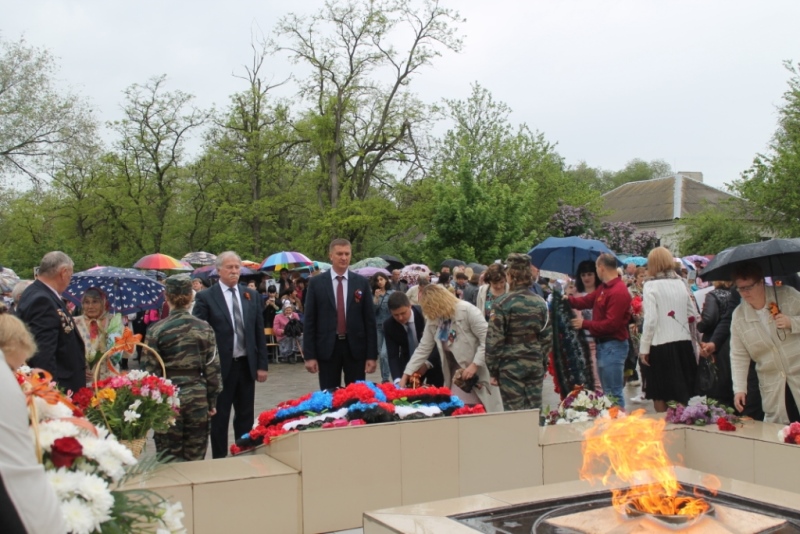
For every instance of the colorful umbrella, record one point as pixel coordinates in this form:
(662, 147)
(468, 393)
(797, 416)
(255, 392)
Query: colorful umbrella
(199, 258)
(693, 258)
(128, 290)
(370, 262)
(251, 264)
(370, 271)
(410, 273)
(285, 260)
(161, 262)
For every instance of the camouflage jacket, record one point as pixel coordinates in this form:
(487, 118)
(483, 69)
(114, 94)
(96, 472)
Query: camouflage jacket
(519, 329)
(187, 345)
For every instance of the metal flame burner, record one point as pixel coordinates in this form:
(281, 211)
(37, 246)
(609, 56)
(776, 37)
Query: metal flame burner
(594, 513)
(672, 522)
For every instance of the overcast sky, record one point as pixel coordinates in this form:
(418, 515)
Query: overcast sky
(695, 83)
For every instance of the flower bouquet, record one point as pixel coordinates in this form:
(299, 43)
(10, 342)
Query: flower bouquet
(86, 466)
(129, 405)
(582, 405)
(702, 411)
(790, 434)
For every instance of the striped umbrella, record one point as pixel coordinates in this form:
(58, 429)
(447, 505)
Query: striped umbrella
(285, 260)
(161, 262)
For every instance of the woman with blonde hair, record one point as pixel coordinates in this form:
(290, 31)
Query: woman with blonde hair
(666, 342)
(34, 507)
(458, 329)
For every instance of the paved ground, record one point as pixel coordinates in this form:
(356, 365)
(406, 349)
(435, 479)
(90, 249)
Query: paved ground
(289, 381)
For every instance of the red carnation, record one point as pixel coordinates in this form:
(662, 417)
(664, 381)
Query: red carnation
(65, 451)
(671, 313)
(691, 319)
(725, 425)
(83, 398)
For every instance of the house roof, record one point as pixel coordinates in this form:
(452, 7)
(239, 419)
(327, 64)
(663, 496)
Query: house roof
(660, 199)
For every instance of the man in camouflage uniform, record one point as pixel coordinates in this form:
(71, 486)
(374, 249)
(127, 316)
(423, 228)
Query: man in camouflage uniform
(187, 346)
(518, 339)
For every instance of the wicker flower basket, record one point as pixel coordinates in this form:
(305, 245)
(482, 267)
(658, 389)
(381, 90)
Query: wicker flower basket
(137, 445)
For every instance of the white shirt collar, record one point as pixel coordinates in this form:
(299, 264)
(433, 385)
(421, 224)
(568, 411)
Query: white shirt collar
(226, 286)
(334, 275)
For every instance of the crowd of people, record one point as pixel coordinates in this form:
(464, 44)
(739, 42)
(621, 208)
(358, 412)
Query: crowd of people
(486, 335)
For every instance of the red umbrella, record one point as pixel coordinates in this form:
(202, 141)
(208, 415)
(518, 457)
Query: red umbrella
(161, 262)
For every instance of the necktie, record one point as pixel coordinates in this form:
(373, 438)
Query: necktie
(341, 322)
(412, 339)
(238, 324)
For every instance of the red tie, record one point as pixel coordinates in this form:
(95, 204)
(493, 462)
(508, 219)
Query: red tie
(341, 322)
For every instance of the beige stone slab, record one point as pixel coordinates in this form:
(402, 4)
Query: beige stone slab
(747, 429)
(556, 434)
(286, 449)
(544, 493)
(349, 471)
(162, 477)
(460, 505)
(383, 523)
(561, 462)
(720, 454)
(265, 504)
(429, 460)
(499, 451)
(233, 468)
(777, 465)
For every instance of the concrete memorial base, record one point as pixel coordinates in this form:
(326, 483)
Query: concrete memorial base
(333, 479)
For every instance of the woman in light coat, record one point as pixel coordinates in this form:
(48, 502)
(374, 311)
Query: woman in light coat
(458, 329)
(766, 329)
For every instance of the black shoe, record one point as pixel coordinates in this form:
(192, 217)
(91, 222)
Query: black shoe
(283, 360)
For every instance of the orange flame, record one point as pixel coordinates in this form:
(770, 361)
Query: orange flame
(632, 449)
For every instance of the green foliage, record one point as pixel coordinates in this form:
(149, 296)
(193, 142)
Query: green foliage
(772, 184)
(716, 228)
(635, 170)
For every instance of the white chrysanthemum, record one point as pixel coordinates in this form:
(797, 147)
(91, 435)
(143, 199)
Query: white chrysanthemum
(49, 431)
(571, 414)
(562, 422)
(46, 410)
(172, 517)
(78, 517)
(63, 481)
(24, 369)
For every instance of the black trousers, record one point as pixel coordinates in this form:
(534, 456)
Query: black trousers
(330, 371)
(791, 406)
(239, 392)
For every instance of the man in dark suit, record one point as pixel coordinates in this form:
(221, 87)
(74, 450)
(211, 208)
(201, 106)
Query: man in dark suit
(60, 349)
(234, 312)
(402, 332)
(339, 331)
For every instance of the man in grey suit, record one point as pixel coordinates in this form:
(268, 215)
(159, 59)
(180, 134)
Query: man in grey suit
(235, 314)
(340, 333)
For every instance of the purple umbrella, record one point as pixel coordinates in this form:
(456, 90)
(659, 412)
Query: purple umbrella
(370, 271)
(410, 273)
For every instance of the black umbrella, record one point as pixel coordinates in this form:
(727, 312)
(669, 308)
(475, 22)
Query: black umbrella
(477, 267)
(776, 257)
(453, 263)
(393, 261)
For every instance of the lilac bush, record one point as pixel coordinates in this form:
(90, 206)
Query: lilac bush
(620, 237)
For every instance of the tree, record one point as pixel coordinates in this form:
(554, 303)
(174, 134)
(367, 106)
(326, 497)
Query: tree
(636, 170)
(365, 125)
(716, 228)
(621, 237)
(772, 183)
(36, 119)
(150, 151)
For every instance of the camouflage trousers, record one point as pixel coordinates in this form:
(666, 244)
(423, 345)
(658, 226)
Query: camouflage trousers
(187, 441)
(521, 384)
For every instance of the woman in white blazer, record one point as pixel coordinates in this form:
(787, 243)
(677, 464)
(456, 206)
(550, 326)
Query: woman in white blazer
(766, 329)
(458, 329)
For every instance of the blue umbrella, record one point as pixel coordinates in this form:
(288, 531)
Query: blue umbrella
(128, 290)
(636, 260)
(563, 254)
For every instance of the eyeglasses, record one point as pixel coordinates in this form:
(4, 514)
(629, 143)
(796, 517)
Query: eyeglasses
(747, 289)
